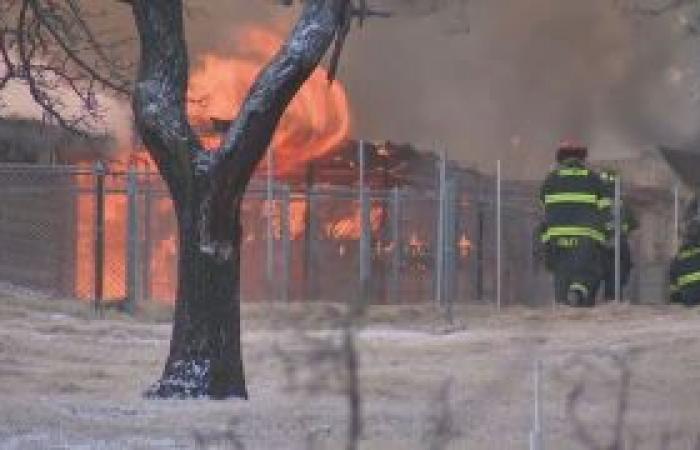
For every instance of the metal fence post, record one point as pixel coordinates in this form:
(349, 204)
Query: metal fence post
(397, 248)
(440, 244)
(311, 231)
(132, 251)
(536, 442)
(270, 239)
(286, 242)
(449, 248)
(479, 269)
(618, 236)
(99, 250)
(676, 216)
(146, 255)
(498, 235)
(365, 230)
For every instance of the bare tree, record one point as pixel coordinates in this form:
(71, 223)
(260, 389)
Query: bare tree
(44, 41)
(331, 361)
(583, 432)
(652, 7)
(611, 373)
(442, 429)
(51, 47)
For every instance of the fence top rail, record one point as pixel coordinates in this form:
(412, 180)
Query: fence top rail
(26, 167)
(67, 168)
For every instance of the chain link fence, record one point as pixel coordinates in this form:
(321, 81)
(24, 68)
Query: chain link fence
(99, 234)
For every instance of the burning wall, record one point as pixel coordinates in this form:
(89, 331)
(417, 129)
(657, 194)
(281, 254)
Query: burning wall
(317, 121)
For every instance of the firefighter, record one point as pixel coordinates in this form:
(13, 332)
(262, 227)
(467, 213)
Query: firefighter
(685, 268)
(628, 223)
(573, 226)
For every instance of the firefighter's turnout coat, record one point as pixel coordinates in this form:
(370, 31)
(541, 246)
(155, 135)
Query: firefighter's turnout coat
(685, 275)
(628, 220)
(573, 198)
(628, 223)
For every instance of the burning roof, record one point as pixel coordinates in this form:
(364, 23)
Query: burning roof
(387, 165)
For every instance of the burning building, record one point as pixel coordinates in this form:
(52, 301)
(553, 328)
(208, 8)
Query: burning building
(303, 218)
(314, 210)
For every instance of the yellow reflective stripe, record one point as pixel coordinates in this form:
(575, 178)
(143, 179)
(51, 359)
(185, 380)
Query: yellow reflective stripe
(573, 172)
(572, 231)
(611, 227)
(688, 253)
(605, 203)
(579, 287)
(608, 177)
(571, 197)
(687, 279)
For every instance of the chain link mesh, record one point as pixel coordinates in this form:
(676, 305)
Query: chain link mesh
(49, 235)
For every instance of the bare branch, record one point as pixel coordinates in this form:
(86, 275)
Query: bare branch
(344, 21)
(99, 48)
(442, 430)
(48, 46)
(74, 56)
(573, 400)
(250, 134)
(160, 91)
(657, 10)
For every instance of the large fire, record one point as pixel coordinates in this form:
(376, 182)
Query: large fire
(316, 121)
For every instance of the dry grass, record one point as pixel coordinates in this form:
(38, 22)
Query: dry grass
(69, 379)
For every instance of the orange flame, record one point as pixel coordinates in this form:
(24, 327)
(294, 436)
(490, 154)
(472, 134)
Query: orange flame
(465, 246)
(114, 272)
(297, 218)
(351, 227)
(316, 121)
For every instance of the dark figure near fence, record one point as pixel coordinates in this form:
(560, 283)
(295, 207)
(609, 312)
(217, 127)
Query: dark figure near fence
(685, 268)
(628, 223)
(572, 232)
(691, 212)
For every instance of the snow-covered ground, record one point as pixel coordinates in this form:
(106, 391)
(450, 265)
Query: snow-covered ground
(68, 380)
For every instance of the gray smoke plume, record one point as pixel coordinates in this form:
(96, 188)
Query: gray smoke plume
(487, 79)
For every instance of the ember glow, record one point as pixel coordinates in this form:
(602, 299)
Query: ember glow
(351, 227)
(114, 272)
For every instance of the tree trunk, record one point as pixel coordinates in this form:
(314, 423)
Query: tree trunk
(205, 350)
(207, 187)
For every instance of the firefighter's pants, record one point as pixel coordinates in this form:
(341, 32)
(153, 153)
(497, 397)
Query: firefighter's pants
(576, 265)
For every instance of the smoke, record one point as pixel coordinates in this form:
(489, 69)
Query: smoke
(528, 73)
(114, 117)
(488, 79)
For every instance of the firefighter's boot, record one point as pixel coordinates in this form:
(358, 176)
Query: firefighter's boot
(578, 296)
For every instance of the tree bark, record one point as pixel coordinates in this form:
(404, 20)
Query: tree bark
(205, 349)
(207, 187)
